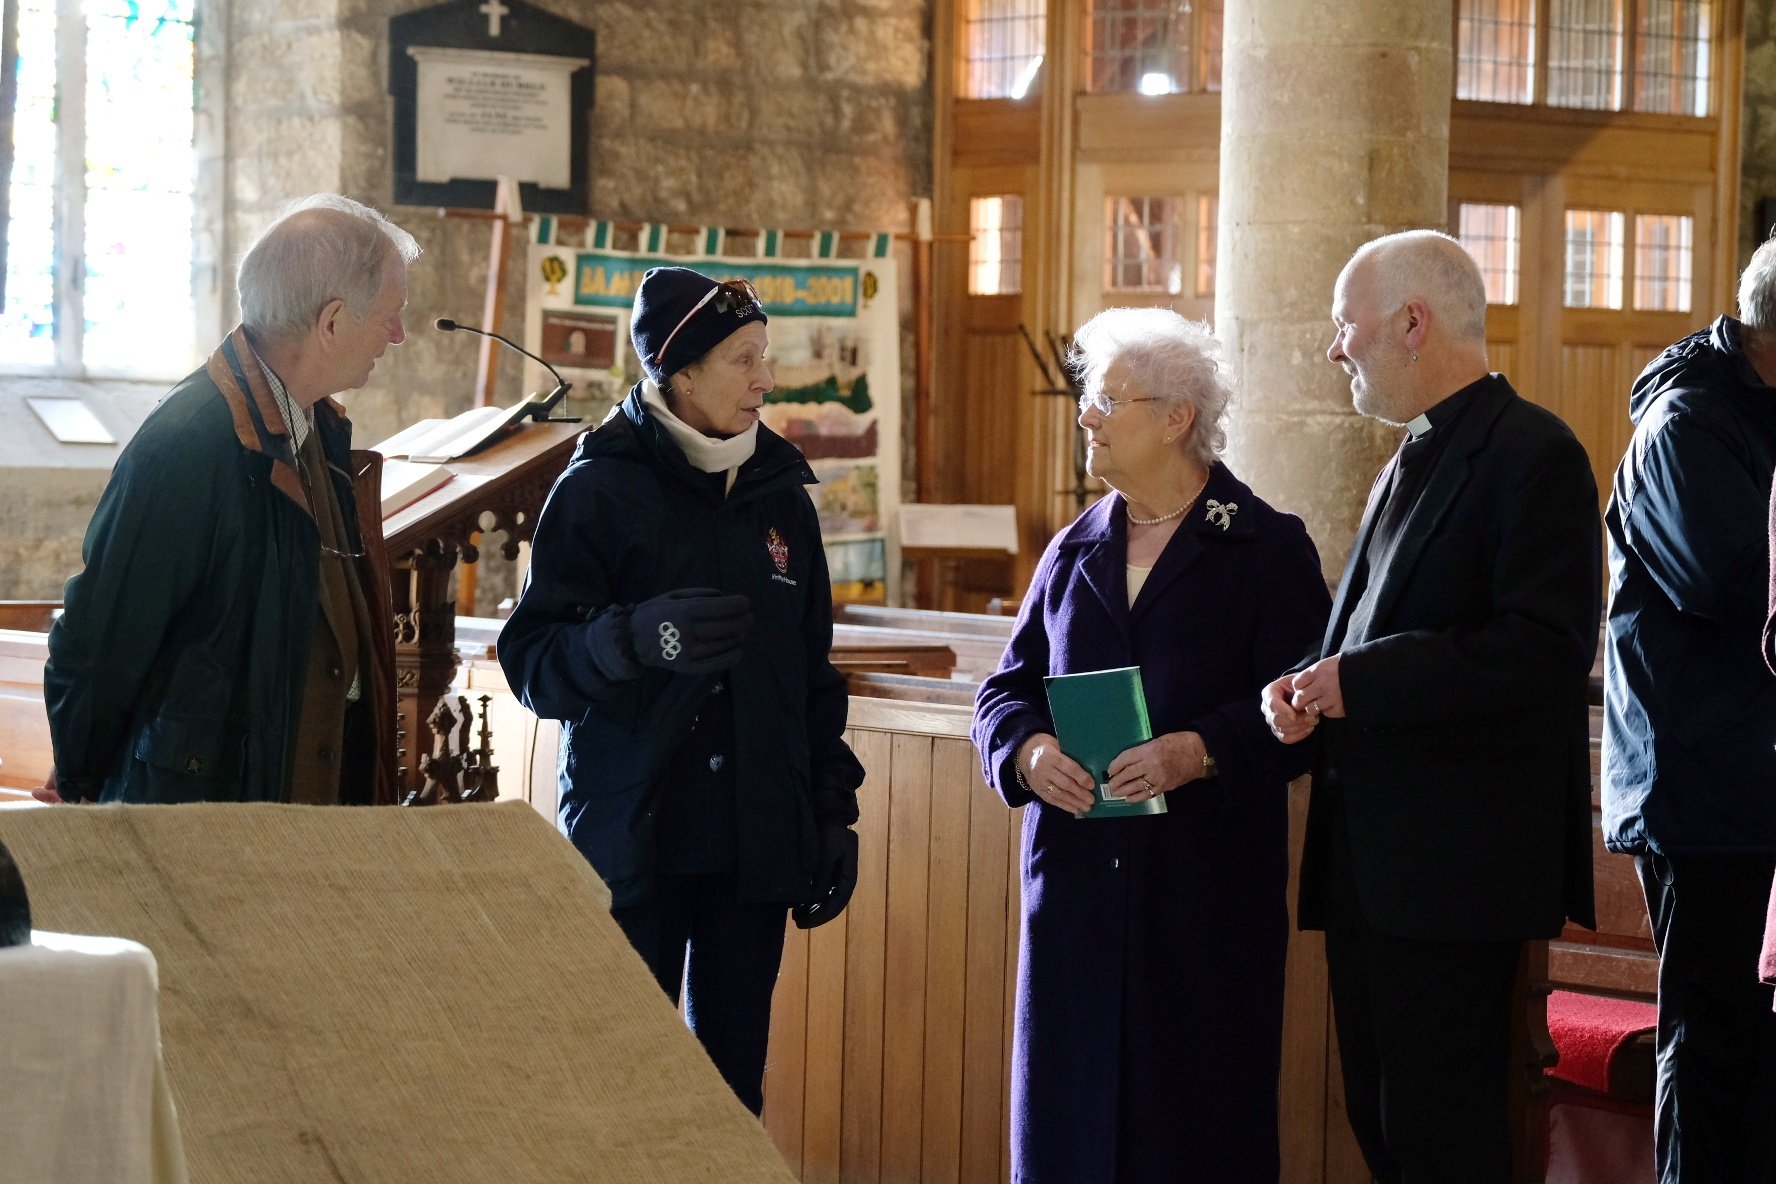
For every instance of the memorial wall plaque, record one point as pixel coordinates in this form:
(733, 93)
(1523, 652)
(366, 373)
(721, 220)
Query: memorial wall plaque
(490, 89)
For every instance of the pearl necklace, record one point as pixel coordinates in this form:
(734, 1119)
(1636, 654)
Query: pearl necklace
(1175, 513)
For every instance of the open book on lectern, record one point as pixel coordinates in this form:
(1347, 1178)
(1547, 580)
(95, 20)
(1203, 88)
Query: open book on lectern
(432, 441)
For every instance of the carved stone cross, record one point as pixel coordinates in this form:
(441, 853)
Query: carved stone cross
(494, 10)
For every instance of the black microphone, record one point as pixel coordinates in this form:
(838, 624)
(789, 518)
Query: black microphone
(539, 409)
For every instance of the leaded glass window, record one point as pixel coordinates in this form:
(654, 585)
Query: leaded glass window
(1003, 47)
(1662, 261)
(1495, 59)
(1594, 251)
(996, 245)
(1142, 252)
(1585, 54)
(1671, 56)
(99, 259)
(1155, 47)
(1489, 232)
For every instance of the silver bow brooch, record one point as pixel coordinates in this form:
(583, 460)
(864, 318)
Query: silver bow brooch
(1221, 513)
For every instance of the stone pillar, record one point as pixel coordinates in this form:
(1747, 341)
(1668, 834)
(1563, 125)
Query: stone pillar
(1334, 130)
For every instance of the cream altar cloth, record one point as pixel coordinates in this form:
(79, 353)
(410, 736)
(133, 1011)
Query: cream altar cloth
(80, 1055)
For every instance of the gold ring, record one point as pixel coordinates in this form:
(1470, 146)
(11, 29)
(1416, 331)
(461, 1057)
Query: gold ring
(1148, 784)
(1314, 707)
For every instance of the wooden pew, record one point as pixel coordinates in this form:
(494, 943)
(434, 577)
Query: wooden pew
(25, 755)
(30, 616)
(978, 642)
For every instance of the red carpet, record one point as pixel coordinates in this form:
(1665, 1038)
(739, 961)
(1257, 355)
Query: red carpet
(1589, 1031)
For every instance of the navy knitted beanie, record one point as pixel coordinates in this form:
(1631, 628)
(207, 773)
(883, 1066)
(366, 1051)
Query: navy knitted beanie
(663, 299)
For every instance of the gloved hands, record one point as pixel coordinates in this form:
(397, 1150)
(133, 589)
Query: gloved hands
(835, 877)
(690, 630)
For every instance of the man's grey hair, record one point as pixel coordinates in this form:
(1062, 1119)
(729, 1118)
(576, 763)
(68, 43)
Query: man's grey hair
(1757, 289)
(321, 248)
(1431, 266)
(1174, 360)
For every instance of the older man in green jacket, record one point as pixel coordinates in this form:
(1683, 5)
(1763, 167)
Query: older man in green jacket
(230, 638)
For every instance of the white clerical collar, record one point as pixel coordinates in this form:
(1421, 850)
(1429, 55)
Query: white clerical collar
(1419, 426)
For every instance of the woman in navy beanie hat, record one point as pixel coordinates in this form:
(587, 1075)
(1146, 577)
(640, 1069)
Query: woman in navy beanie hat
(677, 618)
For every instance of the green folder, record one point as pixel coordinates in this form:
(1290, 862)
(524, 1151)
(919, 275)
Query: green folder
(1097, 717)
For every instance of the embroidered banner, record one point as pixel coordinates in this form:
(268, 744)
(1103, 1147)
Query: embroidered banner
(834, 354)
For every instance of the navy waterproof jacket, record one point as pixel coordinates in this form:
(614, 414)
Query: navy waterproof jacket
(629, 520)
(1689, 741)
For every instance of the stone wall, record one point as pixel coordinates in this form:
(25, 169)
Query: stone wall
(790, 113)
(1757, 134)
(810, 114)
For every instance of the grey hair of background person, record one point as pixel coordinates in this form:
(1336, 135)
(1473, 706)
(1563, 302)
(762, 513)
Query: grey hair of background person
(306, 258)
(1757, 289)
(1431, 266)
(1172, 359)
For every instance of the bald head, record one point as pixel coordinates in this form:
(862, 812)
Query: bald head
(320, 249)
(1430, 267)
(1410, 314)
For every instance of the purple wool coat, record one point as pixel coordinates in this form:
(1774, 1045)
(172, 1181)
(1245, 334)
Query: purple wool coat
(1148, 1034)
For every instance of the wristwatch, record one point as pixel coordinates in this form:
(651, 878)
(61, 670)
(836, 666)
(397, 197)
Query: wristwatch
(1209, 768)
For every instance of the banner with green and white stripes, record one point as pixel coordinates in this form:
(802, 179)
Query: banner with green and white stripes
(834, 350)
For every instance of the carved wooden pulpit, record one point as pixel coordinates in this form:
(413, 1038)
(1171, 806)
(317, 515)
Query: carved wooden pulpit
(507, 480)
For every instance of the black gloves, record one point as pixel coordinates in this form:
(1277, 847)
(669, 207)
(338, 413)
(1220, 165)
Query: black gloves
(686, 631)
(690, 630)
(835, 876)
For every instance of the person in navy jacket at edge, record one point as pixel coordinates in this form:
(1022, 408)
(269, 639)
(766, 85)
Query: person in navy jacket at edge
(1148, 1030)
(1689, 772)
(677, 618)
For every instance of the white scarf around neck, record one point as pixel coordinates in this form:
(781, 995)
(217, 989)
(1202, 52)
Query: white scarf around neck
(707, 454)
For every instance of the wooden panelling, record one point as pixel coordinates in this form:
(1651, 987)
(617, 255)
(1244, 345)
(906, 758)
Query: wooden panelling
(991, 374)
(1307, 1020)
(1503, 138)
(996, 132)
(903, 1016)
(1592, 397)
(1132, 127)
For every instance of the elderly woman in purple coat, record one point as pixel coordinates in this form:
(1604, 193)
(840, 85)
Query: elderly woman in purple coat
(1150, 979)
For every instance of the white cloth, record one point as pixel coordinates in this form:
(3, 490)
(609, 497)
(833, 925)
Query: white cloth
(707, 454)
(80, 1046)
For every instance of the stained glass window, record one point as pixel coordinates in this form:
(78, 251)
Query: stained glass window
(107, 248)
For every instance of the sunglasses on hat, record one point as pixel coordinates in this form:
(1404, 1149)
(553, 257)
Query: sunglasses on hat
(732, 296)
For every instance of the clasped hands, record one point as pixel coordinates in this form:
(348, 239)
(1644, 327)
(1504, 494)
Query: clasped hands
(1137, 774)
(1295, 703)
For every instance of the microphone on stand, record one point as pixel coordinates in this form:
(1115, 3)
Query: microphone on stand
(537, 409)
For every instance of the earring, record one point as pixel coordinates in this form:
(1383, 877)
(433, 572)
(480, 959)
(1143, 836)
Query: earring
(1168, 439)
(1415, 355)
